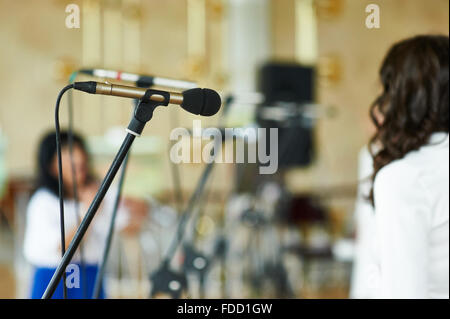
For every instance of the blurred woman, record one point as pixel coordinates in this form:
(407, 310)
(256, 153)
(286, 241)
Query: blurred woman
(42, 243)
(410, 151)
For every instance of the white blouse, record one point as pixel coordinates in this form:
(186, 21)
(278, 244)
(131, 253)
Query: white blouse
(412, 224)
(43, 236)
(364, 217)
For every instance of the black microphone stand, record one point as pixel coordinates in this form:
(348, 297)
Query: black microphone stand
(161, 286)
(187, 212)
(109, 237)
(142, 114)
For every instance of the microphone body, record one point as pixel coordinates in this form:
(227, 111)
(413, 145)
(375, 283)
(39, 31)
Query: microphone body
(135, 93)
(199, 101)
(139, 80)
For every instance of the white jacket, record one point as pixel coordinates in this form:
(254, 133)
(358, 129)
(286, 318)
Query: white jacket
(364, 262)
(42, 233)
(411, 249)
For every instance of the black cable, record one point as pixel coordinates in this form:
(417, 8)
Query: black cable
(74, 183)
(60, 180)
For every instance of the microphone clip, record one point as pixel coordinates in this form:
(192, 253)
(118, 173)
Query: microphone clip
(144, 110)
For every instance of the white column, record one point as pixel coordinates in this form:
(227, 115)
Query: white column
(248, 41)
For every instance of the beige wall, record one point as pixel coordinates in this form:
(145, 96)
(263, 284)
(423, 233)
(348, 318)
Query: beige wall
(33, 37)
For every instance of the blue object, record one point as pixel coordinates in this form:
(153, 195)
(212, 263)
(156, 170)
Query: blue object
(42, 277)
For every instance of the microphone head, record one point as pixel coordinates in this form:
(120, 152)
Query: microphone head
(203, 102)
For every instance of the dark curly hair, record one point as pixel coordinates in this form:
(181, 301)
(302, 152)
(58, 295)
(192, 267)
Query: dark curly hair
(414, 103)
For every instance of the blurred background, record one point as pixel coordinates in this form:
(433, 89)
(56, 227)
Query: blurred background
(287, 235)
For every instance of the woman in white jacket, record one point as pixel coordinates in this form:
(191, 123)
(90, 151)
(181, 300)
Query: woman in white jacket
(410, 151)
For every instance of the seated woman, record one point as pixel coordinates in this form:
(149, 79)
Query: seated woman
(410, 190)
(42, 243)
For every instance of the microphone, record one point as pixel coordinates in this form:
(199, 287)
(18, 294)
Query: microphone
(198, 101)
(139, 80)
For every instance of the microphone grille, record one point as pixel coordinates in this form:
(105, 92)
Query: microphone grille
(205, 102)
